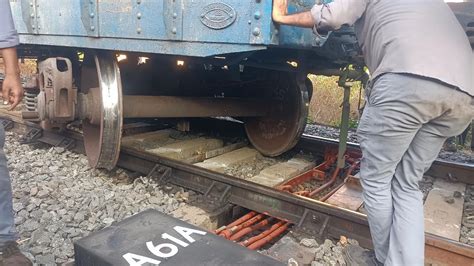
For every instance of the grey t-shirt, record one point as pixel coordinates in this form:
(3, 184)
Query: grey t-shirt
(420, 37)
(8, 33)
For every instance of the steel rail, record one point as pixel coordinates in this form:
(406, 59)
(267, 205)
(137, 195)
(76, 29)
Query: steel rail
(454, 171)
(314, 217)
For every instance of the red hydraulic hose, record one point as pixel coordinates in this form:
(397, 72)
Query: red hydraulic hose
(260, 243)
(237, 222)
(262, 235)
(227, 233)
(250, 229)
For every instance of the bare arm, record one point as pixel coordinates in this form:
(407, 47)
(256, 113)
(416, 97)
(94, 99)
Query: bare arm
(10, 60)
(304, 20)
(328, 17)
(12, 91)
(280, 15)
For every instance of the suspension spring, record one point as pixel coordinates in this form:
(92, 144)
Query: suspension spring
(31, 100)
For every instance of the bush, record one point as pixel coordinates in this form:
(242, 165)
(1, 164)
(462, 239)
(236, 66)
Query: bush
(325, 107)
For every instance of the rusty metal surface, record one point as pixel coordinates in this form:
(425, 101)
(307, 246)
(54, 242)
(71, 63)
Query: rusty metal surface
(280, 129)
(349, 196)
(170, 106)
(56, 100)
(442, 251)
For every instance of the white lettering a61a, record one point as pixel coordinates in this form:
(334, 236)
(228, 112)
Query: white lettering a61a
(164, 250)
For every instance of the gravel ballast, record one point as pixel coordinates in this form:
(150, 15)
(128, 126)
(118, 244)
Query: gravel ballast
(58, 198)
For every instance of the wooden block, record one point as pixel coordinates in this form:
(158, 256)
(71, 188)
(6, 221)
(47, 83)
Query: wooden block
(143, 140)
(443, 218)
(220, 163)
(217, 152)
(349, 196)
(184, 149)
(278, 173)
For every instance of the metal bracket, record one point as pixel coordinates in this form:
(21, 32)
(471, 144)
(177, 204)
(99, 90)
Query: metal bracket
(224, 195)
(31, 136)
(7, 124)
(66, 143)
(30, 15)
(160, 172)
(173, 17)
(314, 223)
(256, 23)
(90, 17)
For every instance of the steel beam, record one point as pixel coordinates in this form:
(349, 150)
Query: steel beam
(170, 106)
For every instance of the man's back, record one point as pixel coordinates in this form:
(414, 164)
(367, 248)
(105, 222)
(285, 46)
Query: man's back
(421, 37)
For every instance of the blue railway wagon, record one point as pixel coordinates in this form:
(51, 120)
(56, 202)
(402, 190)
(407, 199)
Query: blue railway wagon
(184, 59)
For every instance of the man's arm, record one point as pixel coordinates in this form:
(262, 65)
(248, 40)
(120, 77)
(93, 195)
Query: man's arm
(12, 91)
(326, 17)
(280, 15)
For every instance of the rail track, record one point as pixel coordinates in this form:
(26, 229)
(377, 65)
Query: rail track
(309, 215)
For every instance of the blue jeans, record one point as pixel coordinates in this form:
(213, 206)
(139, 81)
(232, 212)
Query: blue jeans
(7, 224)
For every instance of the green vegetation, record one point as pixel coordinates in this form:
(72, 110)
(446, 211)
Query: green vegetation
(325, 107)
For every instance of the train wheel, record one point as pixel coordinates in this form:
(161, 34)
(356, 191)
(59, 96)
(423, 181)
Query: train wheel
(100, 77)
(281, 128)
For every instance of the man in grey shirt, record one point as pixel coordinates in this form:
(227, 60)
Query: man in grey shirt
(420, 94)
(12, 93)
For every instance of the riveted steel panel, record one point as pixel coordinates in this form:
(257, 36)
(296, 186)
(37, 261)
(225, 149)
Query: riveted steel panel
(179, 27)
(261, 22)
(141, 19)
(90, 17)
(222, 21)
(64, 18)
(24, 14)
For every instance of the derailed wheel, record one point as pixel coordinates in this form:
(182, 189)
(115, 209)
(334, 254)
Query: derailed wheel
(100, 77)
(281, 128)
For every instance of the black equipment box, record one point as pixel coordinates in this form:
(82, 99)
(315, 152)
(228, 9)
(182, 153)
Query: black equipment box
(152, 238)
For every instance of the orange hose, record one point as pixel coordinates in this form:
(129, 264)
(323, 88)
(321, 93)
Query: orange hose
(262, 235)
(227, 233)
(285, 188)
(303, 193)
(236, 222)
(247, 230)
(260, 243)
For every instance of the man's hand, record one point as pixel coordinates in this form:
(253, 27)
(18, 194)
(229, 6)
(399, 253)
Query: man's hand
(280, 15)
(12, 91)
(280, 9)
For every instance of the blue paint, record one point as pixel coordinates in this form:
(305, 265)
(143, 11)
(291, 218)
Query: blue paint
(179, 27)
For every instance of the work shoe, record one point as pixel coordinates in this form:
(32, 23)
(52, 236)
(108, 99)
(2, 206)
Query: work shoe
(358, 256)
(11, 255)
